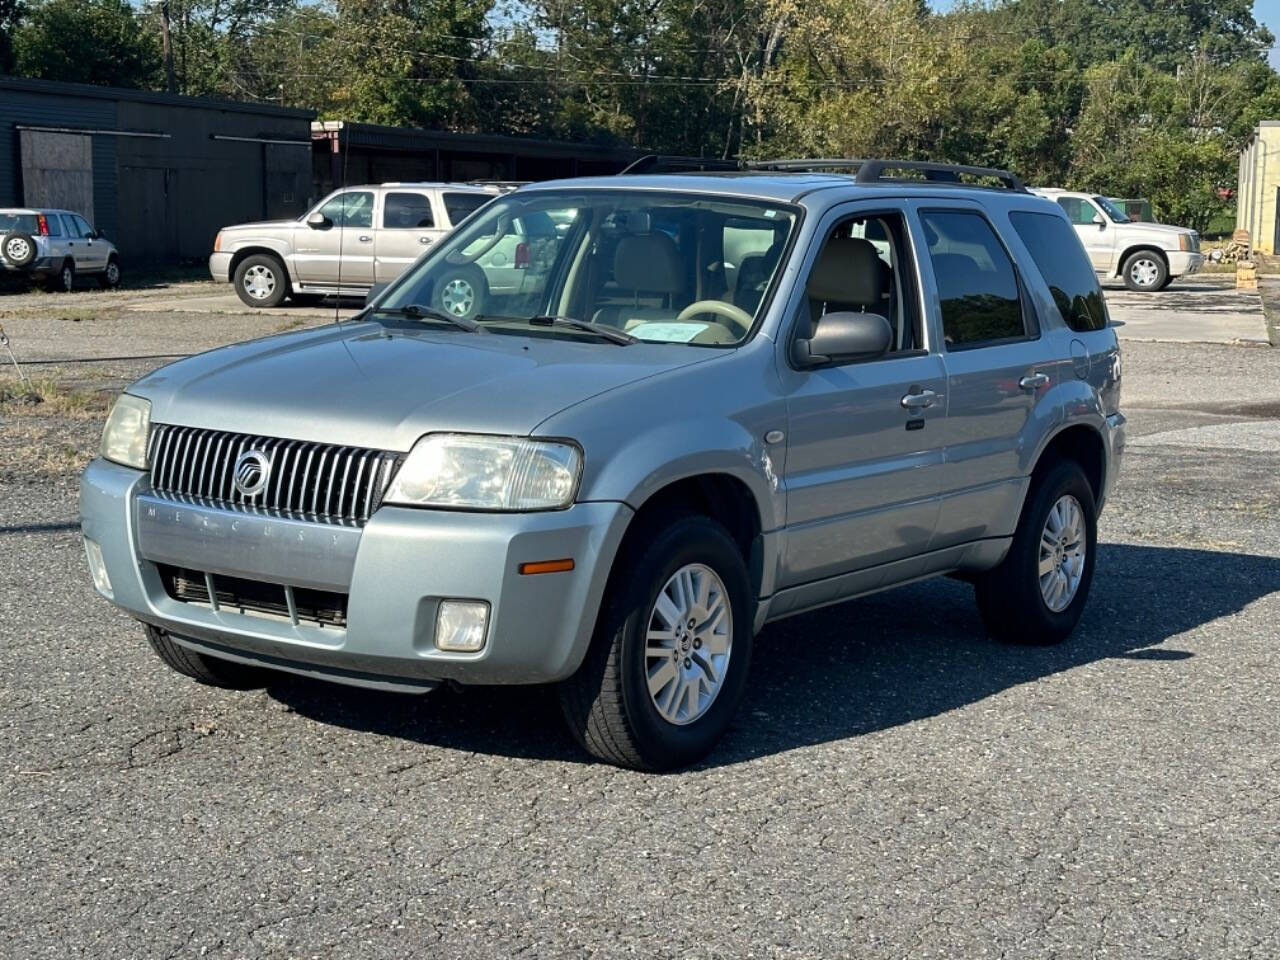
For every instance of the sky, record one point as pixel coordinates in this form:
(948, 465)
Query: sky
(1264, 11)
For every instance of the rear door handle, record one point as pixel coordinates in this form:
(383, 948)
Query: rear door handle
(364, 238)
(918, 401)
(1033, 381)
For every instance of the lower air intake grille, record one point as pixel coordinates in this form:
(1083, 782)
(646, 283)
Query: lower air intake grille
(271, 600)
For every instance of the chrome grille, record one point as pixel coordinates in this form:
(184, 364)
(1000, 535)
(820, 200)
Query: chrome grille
(310, 481)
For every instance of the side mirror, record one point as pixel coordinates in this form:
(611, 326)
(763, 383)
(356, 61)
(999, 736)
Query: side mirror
(843, 337)
(374, 293)
(1101, 223)
(318, 221)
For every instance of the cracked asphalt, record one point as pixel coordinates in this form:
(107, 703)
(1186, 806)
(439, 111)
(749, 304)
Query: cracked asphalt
(896, 784)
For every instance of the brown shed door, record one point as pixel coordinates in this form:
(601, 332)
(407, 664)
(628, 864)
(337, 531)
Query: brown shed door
(57, 171)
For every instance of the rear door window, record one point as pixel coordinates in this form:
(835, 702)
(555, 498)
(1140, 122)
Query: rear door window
(406, 211)
(1057, 253)
(459, 206)
(977, 285)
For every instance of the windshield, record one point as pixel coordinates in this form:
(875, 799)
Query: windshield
(1114, 210)
(18, 223)
(663, 268)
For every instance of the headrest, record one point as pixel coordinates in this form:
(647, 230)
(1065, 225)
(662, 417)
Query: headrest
(648, 262)
(847, 271)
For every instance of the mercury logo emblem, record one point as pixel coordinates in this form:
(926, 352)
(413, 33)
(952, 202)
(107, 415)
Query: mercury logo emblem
(251, 472)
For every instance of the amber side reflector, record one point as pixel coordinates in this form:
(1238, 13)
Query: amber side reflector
(547, 566)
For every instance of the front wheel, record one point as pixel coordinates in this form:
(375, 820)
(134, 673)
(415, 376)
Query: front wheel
(1145, 272)
(109, 279)
(668, 664)
(261, 281)
(210, 671)
(1038, 592)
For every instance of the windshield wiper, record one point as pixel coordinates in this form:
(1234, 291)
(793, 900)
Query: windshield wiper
(415, 311)
(612, 334)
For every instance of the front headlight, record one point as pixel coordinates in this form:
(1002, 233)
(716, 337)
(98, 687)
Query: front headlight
(124, 438)
(476, 472)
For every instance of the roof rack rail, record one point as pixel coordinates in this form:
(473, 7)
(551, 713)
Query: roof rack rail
(660, 163)
(873, 171)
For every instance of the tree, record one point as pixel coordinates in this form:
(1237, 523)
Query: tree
(87, 41)
(10, 15)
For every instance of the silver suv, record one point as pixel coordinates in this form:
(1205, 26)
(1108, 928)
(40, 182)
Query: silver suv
(352, 240)
(721, 400)
(53, 247)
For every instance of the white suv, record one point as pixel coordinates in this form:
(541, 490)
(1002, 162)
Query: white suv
(352, 240)
(1146, 255)
(54, 246)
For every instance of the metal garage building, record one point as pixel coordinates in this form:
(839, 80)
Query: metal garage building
(157, 173)
(347, 153)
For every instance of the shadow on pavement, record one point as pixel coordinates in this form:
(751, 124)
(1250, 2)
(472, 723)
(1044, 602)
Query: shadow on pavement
(851, 669)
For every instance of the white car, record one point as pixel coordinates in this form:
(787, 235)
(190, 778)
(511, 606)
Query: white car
(54, 247)
(1145, 255)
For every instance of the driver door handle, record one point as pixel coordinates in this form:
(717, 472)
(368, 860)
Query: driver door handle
(1033, 381)
(364, 238)
(424, 239)
(918, 401)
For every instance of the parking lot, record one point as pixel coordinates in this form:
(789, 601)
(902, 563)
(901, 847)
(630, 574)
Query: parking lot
(896, 784)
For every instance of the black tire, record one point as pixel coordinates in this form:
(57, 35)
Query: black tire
(18, 249)
(607, 702)
(266, 274)
(210, 671)
(109, 278)
(306, 299)
(64, 281)
(1012, 604)
(450, 294)
(1145, 263)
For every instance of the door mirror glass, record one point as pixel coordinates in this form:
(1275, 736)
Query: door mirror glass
(318, 221)
(843, 337)
(374, 293)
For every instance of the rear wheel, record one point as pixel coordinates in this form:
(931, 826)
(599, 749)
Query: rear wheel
(1037, 594)
(261, 281)
(207, 670)
(668, 664)
(64, 281)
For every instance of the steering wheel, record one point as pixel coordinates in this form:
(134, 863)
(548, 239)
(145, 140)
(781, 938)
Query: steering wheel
(720, 308)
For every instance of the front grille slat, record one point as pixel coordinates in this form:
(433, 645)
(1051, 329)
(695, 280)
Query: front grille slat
(323, 482)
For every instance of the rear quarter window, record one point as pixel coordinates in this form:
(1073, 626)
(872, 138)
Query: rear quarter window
(18, 223)
(1058, 255)
(459, 206)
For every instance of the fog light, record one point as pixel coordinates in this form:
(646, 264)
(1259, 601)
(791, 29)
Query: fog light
(97, 568)
(461, 625)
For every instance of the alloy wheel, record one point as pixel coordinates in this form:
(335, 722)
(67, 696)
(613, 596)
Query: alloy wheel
(458, 297)
(1145, 272)
(688, 639)
(259, 282)
(1062, 553)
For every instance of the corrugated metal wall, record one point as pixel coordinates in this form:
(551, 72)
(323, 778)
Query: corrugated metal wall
(19, 108)
(162, 199)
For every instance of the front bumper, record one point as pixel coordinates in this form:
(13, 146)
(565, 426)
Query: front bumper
(1183, 263)
(220, 266)
(395, 571)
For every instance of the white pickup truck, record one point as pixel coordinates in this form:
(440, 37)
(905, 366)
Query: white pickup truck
(1146, 255)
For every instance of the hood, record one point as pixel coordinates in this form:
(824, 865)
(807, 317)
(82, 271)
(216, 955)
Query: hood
(261, 225)
(363, 385)
(1162, 230)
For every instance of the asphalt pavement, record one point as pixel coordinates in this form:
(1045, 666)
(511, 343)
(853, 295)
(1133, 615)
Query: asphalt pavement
(896, 784)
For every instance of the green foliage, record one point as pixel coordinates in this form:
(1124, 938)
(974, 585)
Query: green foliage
(1126, 97)
(88, 41)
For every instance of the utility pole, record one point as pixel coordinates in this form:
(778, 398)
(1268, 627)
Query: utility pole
(166, 46)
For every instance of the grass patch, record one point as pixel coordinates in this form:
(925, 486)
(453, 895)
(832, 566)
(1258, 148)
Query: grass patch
(48, 398)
